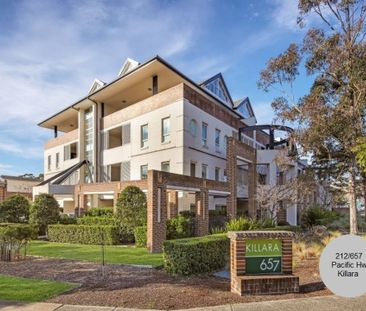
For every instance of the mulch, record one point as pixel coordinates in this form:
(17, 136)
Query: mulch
(134, 287)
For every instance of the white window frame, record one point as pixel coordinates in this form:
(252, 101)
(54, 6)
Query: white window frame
(144, 142)
(165, 137)
(204, 133)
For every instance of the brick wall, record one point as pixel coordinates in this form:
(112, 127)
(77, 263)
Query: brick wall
(243, 284)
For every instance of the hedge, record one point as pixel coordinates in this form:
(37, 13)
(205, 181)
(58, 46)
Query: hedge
(196, 255)
(96, 220)
(140, 236)
(100, 211)
(83, 234)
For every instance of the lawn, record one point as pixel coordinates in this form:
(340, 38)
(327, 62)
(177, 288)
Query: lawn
(113, 254)
(30, 290)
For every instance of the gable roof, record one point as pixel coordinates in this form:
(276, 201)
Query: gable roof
(219, 77)
(96, 85)
(127, 66)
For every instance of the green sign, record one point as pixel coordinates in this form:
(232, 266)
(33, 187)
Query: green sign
(263, 256)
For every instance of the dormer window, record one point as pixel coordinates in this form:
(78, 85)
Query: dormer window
(217, 88)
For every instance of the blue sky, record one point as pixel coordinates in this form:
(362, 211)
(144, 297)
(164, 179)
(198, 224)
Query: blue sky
(51, 51)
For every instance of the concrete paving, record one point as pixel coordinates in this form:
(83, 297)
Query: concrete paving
(328, 303)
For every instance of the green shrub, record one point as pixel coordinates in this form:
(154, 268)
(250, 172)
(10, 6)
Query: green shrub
(44, 211)
(83, 234)
(131, 209)
(100, 211)
(317, 215)
(217, 230)
(179, 227)
(15, 209)
(241, 224)
(266, 223)
(66, 220)
(188, 214)
(140, 236)
(213, 213)
(196, 255)
(12, 238)
(96, 220)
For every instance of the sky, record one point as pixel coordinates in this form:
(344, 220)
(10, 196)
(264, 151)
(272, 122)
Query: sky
(51, 52)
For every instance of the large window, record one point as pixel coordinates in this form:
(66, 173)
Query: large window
(217, 138)
(165, 130)
(71, 151)
(193, 127)
(144, 136)
(204, 134)
(117, 136)
(49, 163)
(143, 170)
(204, 171)
(165, 166)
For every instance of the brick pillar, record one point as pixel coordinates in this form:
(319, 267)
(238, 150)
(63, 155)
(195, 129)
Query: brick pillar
(156, 213)
(172, 203)
(202, 212)
(287, 256)
(231, 172)
(237, 263)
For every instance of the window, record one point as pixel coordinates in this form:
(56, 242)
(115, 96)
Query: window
(71, 151)
(165, 130)
(143, 170)
(193, 169)
(204, 134)
(115, 170)
(225, 142)
(242, 176)
(165, 166)
(57, 160)
(217, 138)
(217, 173)
(262, 178)
(144, 135)
(49, 162)
(204, 171)
(193, 127)
(126, 171)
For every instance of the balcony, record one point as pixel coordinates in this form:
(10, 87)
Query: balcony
(62, 140)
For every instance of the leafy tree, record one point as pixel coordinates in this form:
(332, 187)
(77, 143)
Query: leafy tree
(44, 211)
(331, 117)
(15, 209)
(131, 208)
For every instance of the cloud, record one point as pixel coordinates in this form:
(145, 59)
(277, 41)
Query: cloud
(53, 51)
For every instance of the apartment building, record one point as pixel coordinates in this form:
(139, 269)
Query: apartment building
(23, 184)
(154, 118)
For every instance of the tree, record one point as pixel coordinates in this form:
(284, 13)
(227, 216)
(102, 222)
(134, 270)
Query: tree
(331, 117)
(15, 209)
(131, 208)
(44, 211)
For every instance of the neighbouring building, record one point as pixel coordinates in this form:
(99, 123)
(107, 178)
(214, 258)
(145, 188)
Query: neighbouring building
(10, 185)
(188, 145)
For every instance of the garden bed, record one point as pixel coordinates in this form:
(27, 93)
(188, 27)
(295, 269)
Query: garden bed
(134, 287)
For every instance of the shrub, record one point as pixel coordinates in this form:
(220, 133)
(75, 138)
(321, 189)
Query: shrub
(140, 236)
(83, 234)
(44, 211)
(317, 215)
(213, 213)
(196, 255)
(12, 238)
(66, 220)
(15, 209)
(100, 211)
(179, 227)
(99, 220)
(241, 224)
(131, 209)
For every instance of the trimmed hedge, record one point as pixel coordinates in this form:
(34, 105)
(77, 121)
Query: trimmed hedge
(83, 234)
(196, 255)
(140, 236)
(100, 211)
(96, 220)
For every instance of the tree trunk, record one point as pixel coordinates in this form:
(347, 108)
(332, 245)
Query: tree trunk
(352, 203)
